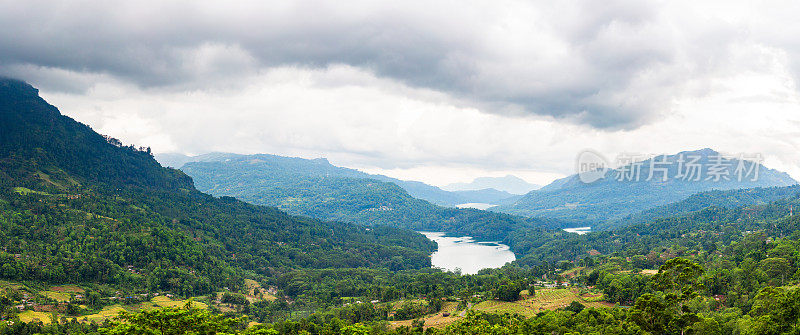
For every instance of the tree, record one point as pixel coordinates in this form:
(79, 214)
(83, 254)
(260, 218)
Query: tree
(666, 311)
(776, 267)
(575, 307)
(650, 313)
(508, 291)
(176, 321)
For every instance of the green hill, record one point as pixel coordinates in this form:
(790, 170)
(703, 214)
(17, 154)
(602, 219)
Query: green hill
(715, 198)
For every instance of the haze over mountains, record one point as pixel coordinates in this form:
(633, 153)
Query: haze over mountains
(633, 188)
(511, 184)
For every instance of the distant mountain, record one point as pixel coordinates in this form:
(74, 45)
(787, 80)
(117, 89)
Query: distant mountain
(488, 196)
(416, 189)
(177, 160)
(172, 160)
(509, 183)
(315, 188)
(446, 198)
(633, 188)
(80, 207)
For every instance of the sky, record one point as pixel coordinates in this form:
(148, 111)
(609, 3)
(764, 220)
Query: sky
(437, 91)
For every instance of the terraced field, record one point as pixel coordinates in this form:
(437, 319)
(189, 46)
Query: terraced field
(254, 291)
(436, 320)
(62, 293)
(545, 299)
(30, 316)
(111, 311)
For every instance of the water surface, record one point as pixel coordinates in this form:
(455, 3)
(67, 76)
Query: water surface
(476, 205)
(579, 230)
(463, 252)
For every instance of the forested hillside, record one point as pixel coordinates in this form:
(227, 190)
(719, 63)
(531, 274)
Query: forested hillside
(80, 207)
(716, 198)
(317, 189)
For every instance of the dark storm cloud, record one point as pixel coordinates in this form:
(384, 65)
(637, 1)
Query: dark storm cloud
(606, 64)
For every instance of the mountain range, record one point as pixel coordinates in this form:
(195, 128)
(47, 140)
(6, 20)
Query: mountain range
(509, 183)
(417, 189)
(643, 185)
(314, 187)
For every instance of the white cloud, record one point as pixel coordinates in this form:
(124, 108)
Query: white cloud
(359, 120)
(438, 91)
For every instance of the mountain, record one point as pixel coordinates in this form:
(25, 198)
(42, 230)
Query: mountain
(79, 207)
(446, 198)
(509, 183)
(488, 196)
(633, 188)
(416, 189)
(173, 160)
(318, 189)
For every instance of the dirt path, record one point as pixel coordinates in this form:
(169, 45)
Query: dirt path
(464, 312)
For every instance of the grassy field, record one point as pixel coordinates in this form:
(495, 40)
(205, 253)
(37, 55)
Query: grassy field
(9, 285)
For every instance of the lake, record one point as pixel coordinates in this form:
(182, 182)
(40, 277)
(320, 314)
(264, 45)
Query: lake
(467, 254)
(476, 205)
(579, 230)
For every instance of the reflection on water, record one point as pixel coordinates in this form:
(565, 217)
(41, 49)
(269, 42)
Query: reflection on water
(466, 254)
(579, 230)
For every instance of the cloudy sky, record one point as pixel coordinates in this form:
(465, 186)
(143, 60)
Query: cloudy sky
(436, 91)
